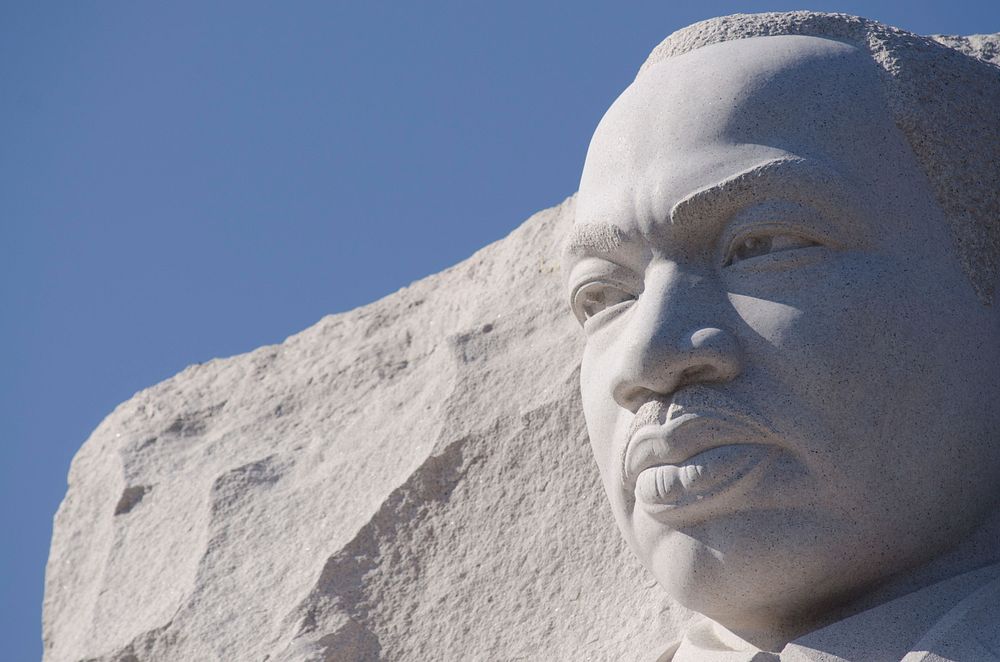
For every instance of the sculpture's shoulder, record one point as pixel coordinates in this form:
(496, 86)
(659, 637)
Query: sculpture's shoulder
(968, 631)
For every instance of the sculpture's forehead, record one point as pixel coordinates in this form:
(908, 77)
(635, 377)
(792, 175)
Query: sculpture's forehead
(697, 118)
(756, 84)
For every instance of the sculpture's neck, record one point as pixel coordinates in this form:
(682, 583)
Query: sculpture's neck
(978, 550)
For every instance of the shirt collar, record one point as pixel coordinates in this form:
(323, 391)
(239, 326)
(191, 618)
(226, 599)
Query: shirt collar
(885, 632)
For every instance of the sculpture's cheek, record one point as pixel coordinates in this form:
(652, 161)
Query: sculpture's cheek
(874, 372)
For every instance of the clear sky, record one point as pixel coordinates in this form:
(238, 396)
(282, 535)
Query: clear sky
(188, 180)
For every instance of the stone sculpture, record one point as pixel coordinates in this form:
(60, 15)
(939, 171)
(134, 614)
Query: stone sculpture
(410, 480)
(785, 262)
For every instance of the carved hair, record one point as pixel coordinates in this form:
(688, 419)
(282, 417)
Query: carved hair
(946, 103)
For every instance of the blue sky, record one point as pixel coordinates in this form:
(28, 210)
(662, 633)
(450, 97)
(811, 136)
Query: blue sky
(187, 180)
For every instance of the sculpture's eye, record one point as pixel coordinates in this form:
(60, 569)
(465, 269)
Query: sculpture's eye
(757, 245)
(596, 297)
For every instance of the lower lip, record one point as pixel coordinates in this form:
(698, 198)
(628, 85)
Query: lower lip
(706, 474)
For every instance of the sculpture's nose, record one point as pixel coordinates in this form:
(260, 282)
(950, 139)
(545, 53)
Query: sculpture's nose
(676, 336)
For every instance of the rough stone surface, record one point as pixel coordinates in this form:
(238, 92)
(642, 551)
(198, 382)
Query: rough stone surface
(410, 480)
(984, 46)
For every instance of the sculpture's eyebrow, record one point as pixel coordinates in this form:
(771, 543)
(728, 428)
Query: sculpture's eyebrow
(596, 239)
(791, 178)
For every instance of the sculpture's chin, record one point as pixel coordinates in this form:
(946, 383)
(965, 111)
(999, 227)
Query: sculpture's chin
(757, 571)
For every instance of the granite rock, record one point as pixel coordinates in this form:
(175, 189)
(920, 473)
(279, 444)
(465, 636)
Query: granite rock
(410, 480)
(785, 259)
(407, 480)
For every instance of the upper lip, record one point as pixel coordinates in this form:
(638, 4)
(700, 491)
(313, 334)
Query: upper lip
(661, 432)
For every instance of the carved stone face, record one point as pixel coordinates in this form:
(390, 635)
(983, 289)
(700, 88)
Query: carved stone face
(788, 381)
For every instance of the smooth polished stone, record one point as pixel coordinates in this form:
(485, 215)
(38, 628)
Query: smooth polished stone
(785, 265)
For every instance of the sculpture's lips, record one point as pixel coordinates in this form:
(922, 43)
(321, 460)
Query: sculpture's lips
(696, 445)
(697, 478)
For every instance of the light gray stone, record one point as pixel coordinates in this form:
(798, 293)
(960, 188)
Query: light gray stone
(785, 264)
(410, 480)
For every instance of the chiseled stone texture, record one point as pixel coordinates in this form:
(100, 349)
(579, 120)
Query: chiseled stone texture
(984, 46)
(410, 480)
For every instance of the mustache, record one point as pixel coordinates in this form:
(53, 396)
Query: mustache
(654, 412)
(690, 398)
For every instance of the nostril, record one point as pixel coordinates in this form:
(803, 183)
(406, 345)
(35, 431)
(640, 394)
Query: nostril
(698, 373)
(632, 397)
